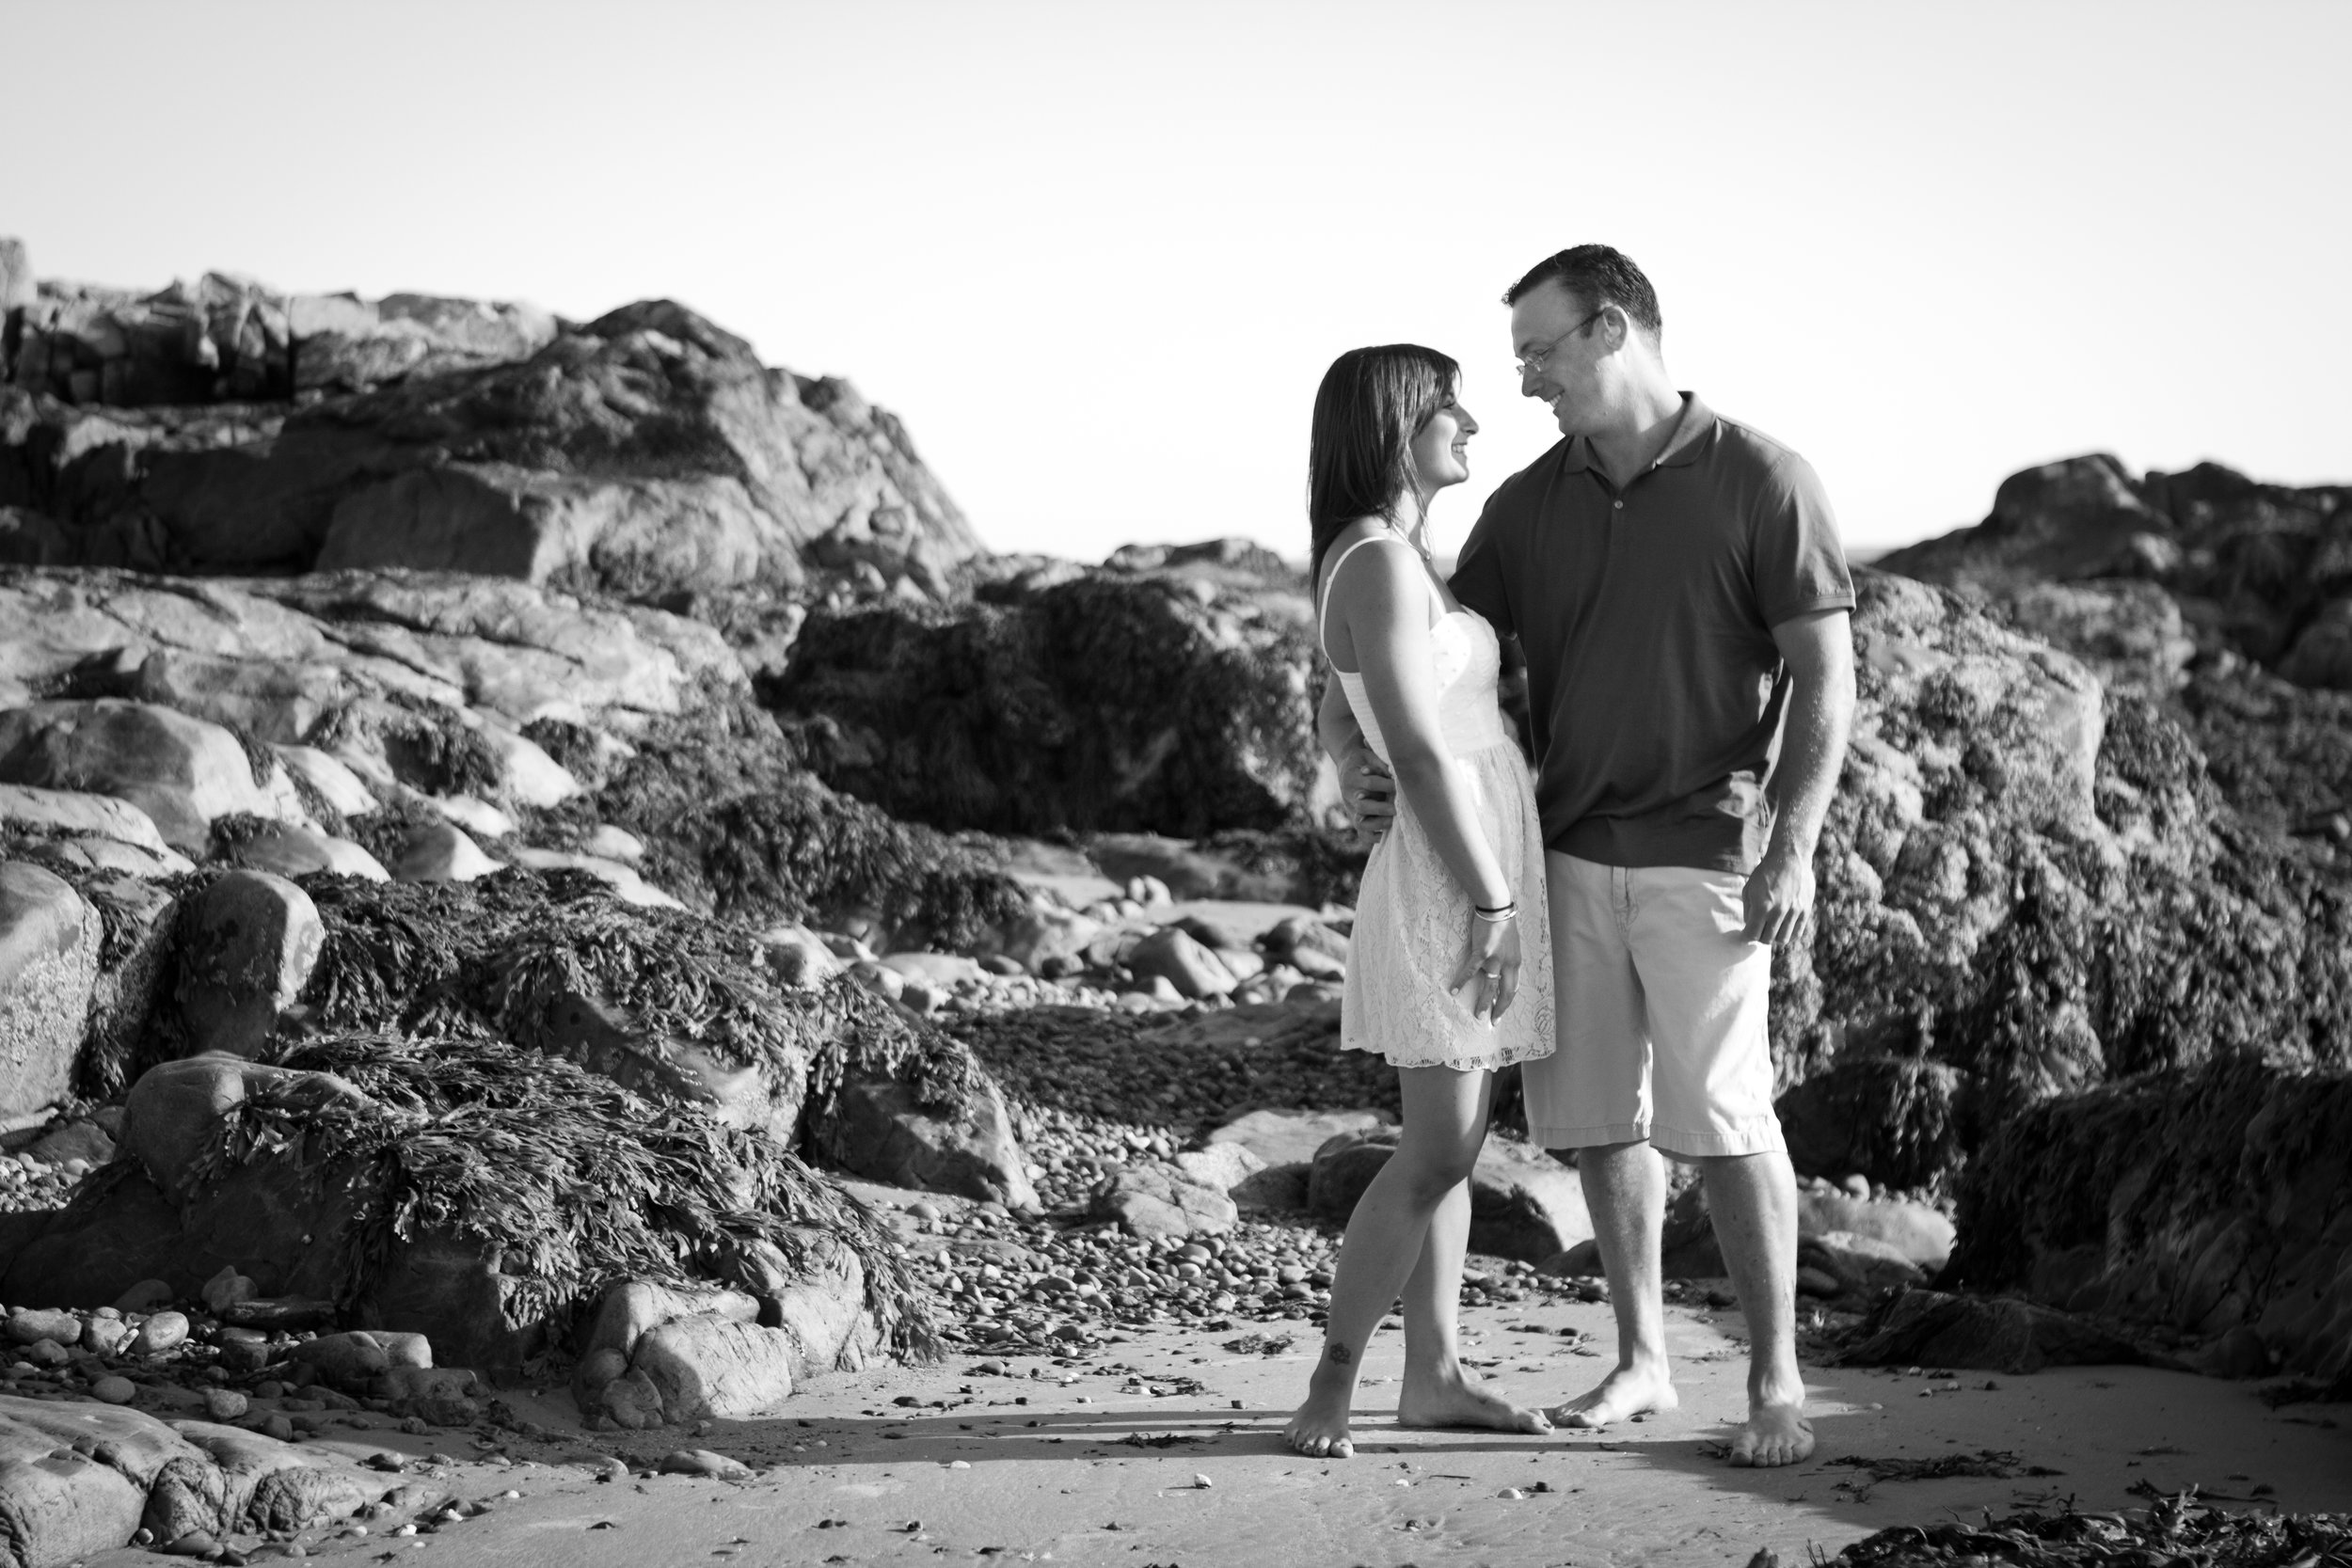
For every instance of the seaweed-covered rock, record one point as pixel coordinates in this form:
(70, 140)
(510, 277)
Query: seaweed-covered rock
(1920, 1327)
(2133, 575)
(674, 1006)
(2029, 888)
(1110, 701)
(731, 822)
(2205, 1203)
(475, 1193)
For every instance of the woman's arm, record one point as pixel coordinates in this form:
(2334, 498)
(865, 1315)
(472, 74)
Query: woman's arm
(1384, 604)
(1365, 789)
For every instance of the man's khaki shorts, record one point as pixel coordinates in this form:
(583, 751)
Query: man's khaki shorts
(1662, 1005)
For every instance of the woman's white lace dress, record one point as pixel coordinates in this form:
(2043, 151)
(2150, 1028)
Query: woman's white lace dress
(1412, 917)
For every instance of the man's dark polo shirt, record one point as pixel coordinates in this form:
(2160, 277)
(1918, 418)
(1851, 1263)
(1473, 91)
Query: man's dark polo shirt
(1646, 615)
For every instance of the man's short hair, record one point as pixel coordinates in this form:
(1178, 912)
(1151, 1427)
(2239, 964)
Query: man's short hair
(1599, 275)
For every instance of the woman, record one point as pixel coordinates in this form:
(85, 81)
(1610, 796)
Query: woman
(1449, 976)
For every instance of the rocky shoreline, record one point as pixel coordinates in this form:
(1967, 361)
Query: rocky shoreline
(552, 846)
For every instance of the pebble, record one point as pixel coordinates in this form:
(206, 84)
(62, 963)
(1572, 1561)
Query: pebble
(114, 1391)
(702, 1462)
(224, 1404)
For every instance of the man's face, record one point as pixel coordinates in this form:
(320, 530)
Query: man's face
(1559, 341)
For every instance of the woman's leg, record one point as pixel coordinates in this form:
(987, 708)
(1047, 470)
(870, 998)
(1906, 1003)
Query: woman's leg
(1437, 1391)
(1445, 1122)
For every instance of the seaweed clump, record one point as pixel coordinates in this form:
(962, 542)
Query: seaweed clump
(2179, 1530)
(483, 960)
(732, 821)
(577, 1182)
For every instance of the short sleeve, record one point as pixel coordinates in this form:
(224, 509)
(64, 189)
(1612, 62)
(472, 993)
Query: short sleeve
(1479, 576)
(1797, 564)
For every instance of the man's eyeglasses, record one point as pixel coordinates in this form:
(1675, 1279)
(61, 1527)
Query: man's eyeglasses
(1532, 364)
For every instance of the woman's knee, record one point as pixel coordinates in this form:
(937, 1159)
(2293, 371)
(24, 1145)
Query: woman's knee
(1428, 1175)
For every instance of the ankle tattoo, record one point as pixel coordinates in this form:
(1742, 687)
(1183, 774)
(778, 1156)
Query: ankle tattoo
(1340, 1355)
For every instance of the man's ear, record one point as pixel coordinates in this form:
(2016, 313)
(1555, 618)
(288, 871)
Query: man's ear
(1616, 328)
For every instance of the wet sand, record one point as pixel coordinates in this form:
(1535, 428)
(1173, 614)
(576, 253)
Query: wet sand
(993, 1480)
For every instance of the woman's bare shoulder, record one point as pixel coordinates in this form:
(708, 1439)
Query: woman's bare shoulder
(1348, 571)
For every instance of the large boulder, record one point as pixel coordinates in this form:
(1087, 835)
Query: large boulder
(2027, 886)
(48, 949)
(81, 1479)
(1110, 701)
(2134, 576)
(350, 661)
(183, 774)
(643, 452)
(1524, 1203)
(246, 946)
(886, 1129)
(1156, 1201)
(2210, 1203)
(35, 813)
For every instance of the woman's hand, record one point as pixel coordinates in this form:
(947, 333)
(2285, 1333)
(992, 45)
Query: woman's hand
(1491, 967)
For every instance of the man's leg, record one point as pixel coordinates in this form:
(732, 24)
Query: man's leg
(1754, 1200)
(1624, 1189)
(1709, 990)
(1445, 1124)
(1592, 1096)
(1436, 1392)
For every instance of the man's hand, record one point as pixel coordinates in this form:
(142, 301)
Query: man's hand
(1367, 790)
(1779, 896)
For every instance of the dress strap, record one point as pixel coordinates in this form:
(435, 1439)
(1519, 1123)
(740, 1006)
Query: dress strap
(1331, 575)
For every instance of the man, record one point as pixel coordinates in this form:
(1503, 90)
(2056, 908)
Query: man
(1675, 582)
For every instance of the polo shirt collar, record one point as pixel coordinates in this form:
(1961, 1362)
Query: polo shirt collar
(1682, 447)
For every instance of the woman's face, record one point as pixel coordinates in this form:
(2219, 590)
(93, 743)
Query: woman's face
(1440, 447)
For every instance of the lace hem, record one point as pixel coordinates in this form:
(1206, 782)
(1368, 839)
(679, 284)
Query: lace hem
(1486, 1061)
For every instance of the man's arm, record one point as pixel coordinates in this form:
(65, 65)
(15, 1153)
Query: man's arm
(1365, 787)
(1819, 649)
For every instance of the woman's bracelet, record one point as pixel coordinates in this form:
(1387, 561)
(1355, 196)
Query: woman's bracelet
(1498, 914)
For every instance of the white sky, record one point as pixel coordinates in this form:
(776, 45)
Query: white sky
(1098, 254)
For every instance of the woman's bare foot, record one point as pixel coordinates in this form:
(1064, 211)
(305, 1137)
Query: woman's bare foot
(1774, 1434)
(1449, 1398)
(1319, 1427)
(1625, 1393)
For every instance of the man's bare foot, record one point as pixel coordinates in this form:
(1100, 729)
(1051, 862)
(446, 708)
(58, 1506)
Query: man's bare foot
(1450, 1400)
(1774, 1434)
(1319, 1428)
(1625, 1393)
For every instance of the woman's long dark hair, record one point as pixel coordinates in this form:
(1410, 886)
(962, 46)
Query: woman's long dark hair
(1360, 451)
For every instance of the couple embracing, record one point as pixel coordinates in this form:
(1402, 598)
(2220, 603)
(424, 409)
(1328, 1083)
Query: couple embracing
(1676, 583)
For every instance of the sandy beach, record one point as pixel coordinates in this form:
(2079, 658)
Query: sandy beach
(1082, 1464)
